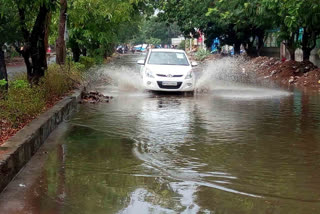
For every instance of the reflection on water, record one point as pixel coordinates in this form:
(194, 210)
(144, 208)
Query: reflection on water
(171, 154)
(189, 155)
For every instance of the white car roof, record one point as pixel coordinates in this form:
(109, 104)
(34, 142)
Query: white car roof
(167, 50)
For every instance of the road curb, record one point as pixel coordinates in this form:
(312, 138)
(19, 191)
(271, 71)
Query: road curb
(19, 149)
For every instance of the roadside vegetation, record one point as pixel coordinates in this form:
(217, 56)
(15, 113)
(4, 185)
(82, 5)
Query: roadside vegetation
(22, 102)
(201, 54)
(294, 23)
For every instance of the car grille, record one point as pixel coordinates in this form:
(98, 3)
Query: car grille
(163, 75)
(168, 86)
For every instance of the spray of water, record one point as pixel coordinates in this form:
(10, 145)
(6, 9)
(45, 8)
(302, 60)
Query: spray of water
(225, 71)
(229, 78)
(226, 78)
(123, 78)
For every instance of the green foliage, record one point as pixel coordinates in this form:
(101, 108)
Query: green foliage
(14, 54)
(87, 61)
(154, 41)
(114, 22)
(3, 83)
(201, 54)
(3, 86)
(79, 66)
(24, 102)
(156, 28)
(293, 15)
(188, 14)
(98, 60)
(182, 45)
(19, 84)
(21, 104)
(8, 22)
(59, 80)
(244, 21)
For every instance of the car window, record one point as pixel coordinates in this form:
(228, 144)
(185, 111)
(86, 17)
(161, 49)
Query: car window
(168, 58)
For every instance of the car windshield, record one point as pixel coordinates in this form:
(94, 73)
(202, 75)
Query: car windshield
(168, 58)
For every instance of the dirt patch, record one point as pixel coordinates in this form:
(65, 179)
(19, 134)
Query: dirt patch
(300, 74)
(310, 79)
(6, 129)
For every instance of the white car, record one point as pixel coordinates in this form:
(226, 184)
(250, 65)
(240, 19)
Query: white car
(167, 70)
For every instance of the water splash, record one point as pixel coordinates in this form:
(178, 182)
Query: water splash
(121, 78)
(229, 78)
(226, 70)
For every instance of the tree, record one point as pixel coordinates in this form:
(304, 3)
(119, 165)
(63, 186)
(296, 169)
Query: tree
(3, 71)
(245, 22)
(309, 12)
(189, 15)
(8, 22)
(285, 14)
(61, 43)
(293, 17)
(111, 25)
(154, 41)
(242, 22)
(154, 27)
(33, 23)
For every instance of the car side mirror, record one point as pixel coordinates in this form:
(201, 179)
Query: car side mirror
(141, 62)
(194, 64)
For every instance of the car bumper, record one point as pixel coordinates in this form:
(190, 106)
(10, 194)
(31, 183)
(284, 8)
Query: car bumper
(153, 84)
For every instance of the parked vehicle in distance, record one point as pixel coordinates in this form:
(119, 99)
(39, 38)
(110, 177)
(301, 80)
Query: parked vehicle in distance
(167, 70)
(141, 48)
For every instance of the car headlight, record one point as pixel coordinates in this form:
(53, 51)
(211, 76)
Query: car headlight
(189, 75)
(149, 73)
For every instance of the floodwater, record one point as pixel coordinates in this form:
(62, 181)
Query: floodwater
(235, 148)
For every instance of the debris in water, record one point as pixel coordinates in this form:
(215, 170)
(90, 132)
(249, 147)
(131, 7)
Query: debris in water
(94, 97)
(203, 90)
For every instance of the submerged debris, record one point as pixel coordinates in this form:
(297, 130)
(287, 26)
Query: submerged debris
(202, 90)
(94, 97)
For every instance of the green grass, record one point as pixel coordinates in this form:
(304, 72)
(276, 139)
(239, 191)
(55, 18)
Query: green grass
(22, 102)
(201, 54)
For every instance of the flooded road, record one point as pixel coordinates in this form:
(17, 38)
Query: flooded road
(237, 149)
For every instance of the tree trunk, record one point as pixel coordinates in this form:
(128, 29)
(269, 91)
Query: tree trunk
(76, 51)
(38, 46)
(291, 47)
(251, 50)
(35, 47)
(47, 32)
(61, 44)
(261, 35)
(237, 46)
(3, 70)
(84, 51)
(306, 54)
(308, 43)
(292, 54)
